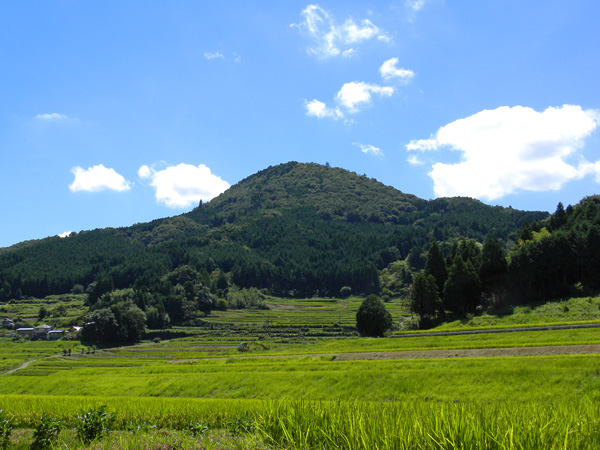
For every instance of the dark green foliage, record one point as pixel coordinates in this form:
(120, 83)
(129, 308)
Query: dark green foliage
(7, 425)
(119, 323)
(45, 433)
(526, 234)
(241, 425)
(197, 428)
(294, 229)
(93, 424)
(462, 291)
(42, 313)
(425, 299)
(436, 266)
(372, 318)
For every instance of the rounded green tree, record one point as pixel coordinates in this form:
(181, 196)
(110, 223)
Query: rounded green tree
(372, 319)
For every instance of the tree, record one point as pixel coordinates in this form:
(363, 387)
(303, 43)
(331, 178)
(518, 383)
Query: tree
(372, 319)
(424, 299)
(436, 266)
(463, 288)
(559, 218)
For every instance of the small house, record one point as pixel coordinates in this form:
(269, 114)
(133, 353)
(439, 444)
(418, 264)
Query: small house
(7, 323)
(24, 331)
(42, 330)
(55, 335)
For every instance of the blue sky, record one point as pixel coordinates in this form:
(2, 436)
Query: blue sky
(117, 112)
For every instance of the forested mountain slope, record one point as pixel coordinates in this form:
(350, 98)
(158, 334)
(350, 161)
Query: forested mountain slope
(294, 229)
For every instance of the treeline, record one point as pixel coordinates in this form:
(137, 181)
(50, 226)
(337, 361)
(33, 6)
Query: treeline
(552, 258)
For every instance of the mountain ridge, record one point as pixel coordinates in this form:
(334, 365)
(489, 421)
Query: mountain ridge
(291, 227)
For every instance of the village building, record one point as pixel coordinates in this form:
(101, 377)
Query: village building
(24, 331)
(55, 335)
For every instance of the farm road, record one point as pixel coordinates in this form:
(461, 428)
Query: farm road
(498, 330)
(22, 366)
(473, 353)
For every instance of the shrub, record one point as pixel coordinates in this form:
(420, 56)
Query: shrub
(6, 427)
(372, 319)
(45, 433)
(197, 428)
(93, 424)
(241, 425)
(345, 291)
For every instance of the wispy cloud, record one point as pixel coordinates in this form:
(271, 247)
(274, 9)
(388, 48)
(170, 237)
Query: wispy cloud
(52, 116)
(183, 185)
(332, 39)
(414, 160)
(97, 178)
(215, 55)
(369, 149)
(416, 5)
(512, 148)
(389, 70)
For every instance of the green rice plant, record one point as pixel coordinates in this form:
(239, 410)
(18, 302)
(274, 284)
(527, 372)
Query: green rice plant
(495, 426)
(46, 433)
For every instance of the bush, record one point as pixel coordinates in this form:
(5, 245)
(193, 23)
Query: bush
(93, 424)
(197, 428)
(6, 427)
(241, 425)
(45, 433)
(372, 319)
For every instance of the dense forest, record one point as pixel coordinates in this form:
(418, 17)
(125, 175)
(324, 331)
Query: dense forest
(307, 229)
(556, 257)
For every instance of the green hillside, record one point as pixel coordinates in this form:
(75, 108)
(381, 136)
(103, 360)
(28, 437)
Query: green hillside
(293, 229)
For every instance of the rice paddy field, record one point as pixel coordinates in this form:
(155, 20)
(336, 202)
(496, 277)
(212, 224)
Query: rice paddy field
(309, 382)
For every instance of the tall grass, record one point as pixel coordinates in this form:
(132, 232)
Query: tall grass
(356, 426)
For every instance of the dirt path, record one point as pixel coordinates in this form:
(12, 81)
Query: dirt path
(473, 353)
(22, 366)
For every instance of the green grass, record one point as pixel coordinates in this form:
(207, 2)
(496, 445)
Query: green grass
(323, 378)
(568, 311)
(303, 396)
(318, 425)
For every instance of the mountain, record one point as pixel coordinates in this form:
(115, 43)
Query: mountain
(293, 229)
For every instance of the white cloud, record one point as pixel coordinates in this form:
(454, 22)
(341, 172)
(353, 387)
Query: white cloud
(388, 70)
(512, 148)
(321, 110)
(144, 172)
(52, 116)
(416, 5)
(414, 160)
(369, 149)
(332, 39)
(183, 185)
(355, 95)
(351, 98)
(97, 178)
(66, 234)
(215, 55)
